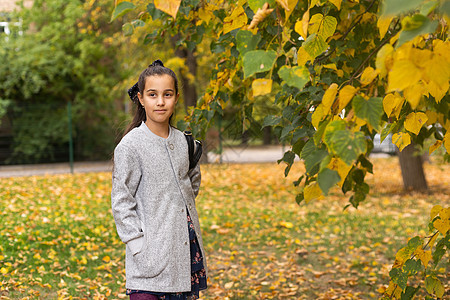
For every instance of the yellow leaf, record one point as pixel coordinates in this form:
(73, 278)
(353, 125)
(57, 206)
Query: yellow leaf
(404, 74)
(205, 14)
(312, 192)
(106, 259)
(442, 225)
(168, 6)
(384, 59)
(383, 25)
(330, 66)
(301, 26)
(424, 256)
(237, 19)
(438, 70)
(435, 146)
(368, 75)
(261, 87)
(414, 93)
(436, 90)
(435, 211)
(394, 289)
(445, 213)
(391, 102)
(415, 121)
(229, 285)
(288, 6)
(401, 140)
(314, 23)
(317, 116)
(302, 56)
(341, 167)
(337, 3)
(328, 97)
(346, 95)
(432, 241)
(432, 117)
(439, 289)
(286, 224)
(3, 270)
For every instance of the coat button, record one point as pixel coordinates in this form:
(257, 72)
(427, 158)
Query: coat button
(182, 210)
(190, 206)
(171, 146)
(185, 243)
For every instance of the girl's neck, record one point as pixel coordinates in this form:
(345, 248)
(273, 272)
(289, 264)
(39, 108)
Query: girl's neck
(160, 129)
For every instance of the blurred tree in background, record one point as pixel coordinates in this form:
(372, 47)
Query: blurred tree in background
(65, 54)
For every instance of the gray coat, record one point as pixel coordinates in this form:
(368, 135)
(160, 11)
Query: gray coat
(151, 189)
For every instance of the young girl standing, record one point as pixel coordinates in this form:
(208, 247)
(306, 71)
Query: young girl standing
(153, 196)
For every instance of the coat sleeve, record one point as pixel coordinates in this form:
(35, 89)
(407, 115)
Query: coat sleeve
(196, 177)
(125, 181)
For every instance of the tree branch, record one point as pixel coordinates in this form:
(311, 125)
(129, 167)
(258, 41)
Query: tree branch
(319, 59)
(373, 53)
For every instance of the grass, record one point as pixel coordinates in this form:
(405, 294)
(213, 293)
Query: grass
(58, 239)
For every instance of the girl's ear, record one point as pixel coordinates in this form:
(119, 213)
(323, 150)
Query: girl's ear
(176, 99)
(140, 98)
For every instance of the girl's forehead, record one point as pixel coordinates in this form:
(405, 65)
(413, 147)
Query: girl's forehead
(157, 82)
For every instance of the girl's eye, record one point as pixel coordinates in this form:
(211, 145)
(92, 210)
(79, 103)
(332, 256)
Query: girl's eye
(152, 94)
(168, 94)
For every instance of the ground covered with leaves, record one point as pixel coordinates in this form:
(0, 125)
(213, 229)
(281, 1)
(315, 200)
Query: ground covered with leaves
(58, 239)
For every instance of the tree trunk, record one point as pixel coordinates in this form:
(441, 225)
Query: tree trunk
(411, 165)
(267, 135)
(189, 90)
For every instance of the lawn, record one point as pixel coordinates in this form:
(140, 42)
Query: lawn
(58, 239)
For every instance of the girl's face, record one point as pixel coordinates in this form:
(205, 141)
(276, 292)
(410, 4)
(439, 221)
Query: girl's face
(159, 98)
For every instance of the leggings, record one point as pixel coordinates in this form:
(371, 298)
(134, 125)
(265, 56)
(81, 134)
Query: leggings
(143, 296)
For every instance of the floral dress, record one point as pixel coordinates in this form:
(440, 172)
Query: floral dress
(198, 273)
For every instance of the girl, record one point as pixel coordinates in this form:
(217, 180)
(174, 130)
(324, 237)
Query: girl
(153, 196)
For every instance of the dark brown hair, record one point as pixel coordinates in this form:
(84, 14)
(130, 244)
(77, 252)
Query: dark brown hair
(155, 69)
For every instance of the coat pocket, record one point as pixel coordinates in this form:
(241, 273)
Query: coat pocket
(153, 257)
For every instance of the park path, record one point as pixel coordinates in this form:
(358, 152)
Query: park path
(229, 155)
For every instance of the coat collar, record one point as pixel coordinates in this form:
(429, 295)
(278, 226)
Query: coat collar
(154, 136)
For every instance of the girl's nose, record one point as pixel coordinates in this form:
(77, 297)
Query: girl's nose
(160, 101)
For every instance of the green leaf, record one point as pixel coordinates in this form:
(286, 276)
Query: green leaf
(138, 23)
(348, 145)
(257, 61)
(397, 7)
(296, 76)
(415, 26)
(327, 178)
(271, 121)
(445, 8)
(328, 27)
(127, 29)
(409, 293)
(331, 128)
(298, 146)
(411, 267)
(434, 286)
(370, 110)
(255, 4)
(121, 9)
(312, 156)
(288, 158)
(315, 45)
(246, 41)
(399, 277)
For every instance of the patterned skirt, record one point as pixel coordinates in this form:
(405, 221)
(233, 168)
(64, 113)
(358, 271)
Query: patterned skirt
(198, 273)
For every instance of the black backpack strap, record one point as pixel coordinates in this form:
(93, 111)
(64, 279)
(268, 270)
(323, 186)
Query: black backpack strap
(194, 149)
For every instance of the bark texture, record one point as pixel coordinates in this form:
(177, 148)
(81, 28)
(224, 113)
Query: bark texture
(411, 165)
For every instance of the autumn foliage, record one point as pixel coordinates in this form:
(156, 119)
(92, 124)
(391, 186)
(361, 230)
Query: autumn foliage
(341, 72)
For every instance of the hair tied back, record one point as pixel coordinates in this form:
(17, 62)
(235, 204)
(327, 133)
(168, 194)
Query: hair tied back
(157, 63)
